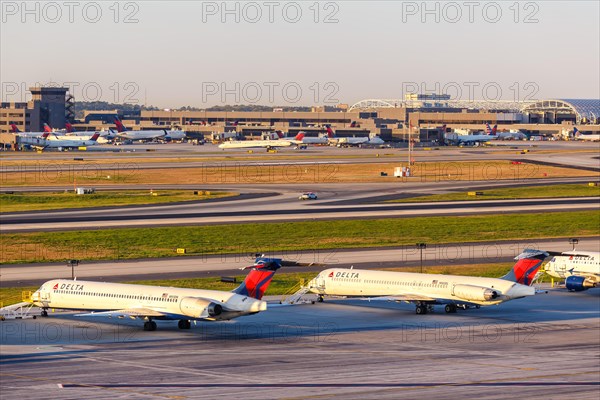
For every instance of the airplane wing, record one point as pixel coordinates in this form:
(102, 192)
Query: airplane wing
(128, 312)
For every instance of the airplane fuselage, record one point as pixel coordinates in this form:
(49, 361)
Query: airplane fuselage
(580, 263)
(444, 289)
(174, 303)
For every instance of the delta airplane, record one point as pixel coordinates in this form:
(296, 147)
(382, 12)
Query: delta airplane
(60, 143)
(511, 135)
(151, 303)
(351, 141)
(163, 134)
(580, 269)
(580, 136)
(16, 130)
(248, 144)
(301, 138)
(425, 290)
(105, 136)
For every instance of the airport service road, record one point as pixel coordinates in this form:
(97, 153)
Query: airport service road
(540, 347)
(261, 212)
(211, 266)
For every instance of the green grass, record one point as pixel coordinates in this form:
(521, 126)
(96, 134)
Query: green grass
(28, 201)
(283, 283)
(528, 192)
(130, 243)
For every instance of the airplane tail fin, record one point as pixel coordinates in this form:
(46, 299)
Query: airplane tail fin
(14, 128)
(119, 125)
(45, 135)
(69, 127)
(300, 136)
(528, 264)
(576, 132)
(95, 136)
(259, 278)
(279, 134)
(488, 129)
(261, 274)
(47, 128)
(330, 132)
(494, 129)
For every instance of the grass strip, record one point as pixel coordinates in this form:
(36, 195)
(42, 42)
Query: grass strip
(275, 238)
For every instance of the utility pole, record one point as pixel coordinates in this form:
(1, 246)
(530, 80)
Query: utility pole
(73, 264)
(421, 246)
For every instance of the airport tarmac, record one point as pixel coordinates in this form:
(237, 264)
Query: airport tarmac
(543, 347)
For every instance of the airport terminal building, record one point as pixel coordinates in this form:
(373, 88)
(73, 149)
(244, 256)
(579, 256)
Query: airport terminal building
(420, 115)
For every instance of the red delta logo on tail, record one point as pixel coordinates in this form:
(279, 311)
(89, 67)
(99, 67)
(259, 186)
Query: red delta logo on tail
(256, 283)
(95, 136)
(330, 132)
(14, 128)
(527, 266)
(119, 125)
(47, 128)
(300, 136)
(69, 127)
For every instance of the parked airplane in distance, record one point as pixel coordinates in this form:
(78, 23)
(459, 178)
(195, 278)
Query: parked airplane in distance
(151, 303)
(580, 269)
(510, 135)
(301, 138)
(66, 142)
(351, 141)
(248, 144)
(148, 135)
(16, 130)
(425, 290)
(594, 137)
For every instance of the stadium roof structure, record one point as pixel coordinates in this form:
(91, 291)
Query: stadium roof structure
(506, 105)
(582, 108)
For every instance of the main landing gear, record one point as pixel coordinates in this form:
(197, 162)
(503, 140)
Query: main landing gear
(44, 312)
(450, 308)
(149, 325)
(423, 308)
(184, 324)
(320, 298)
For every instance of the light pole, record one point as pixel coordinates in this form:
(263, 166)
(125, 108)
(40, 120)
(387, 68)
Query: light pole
(421, 246)
(573, 242)
(73, 264)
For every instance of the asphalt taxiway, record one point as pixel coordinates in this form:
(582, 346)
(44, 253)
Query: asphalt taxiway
(229, 264)
(540, 347)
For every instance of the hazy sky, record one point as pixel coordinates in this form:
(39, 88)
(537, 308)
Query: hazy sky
(172, 54)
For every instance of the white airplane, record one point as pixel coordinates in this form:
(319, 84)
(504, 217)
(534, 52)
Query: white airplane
(594, 137)
(425, 290)
(352, 141)
(105, 136)
(248, 144)
(301, 138)
(38, 142)
(16, 130)
(65, 142)
(147, 135)
(580, 269)
(510, 135)
(151, 303)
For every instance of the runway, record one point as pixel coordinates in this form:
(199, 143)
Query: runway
(178, 215)
(337, 349)
(230, 264)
